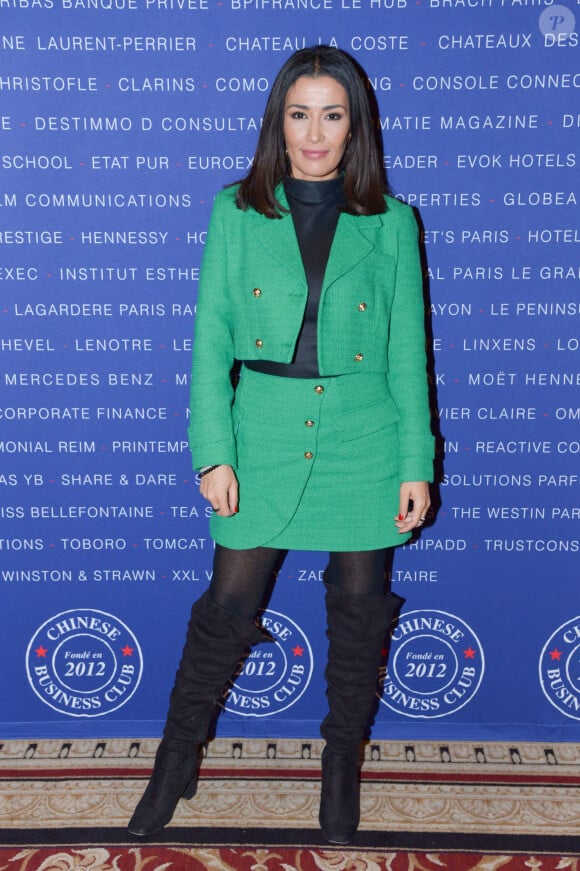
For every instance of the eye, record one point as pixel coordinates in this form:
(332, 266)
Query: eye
(334, 116)
(297, 114)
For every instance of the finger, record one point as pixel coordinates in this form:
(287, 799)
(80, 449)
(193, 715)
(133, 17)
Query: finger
(403, 507)
(233, 497)
(420, 516)
(401, 517)
(403, 524)
(205, 489)
(414, 518)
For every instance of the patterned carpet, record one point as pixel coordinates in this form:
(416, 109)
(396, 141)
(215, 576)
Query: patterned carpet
(264, 859)
(425, 806)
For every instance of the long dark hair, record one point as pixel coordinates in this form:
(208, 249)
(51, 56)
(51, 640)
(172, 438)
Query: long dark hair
(365, 181)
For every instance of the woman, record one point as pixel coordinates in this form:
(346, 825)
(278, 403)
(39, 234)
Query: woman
(311, 278)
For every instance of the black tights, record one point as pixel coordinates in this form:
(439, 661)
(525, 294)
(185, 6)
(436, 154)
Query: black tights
(241, 578)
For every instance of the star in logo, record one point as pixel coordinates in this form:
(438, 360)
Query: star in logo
(127, 651)
(297, 651)
(469, 653)
(555, 654)
(41, 652)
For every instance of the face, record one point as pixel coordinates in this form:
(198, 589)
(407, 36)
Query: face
(316, 127)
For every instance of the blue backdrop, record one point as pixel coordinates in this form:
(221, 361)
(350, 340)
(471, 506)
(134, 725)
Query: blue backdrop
(119, 121)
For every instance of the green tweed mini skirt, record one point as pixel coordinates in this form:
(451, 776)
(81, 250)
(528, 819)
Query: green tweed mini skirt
(317, 464)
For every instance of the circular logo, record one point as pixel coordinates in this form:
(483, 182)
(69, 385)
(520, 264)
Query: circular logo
(274, 676)
(556, 21)
(560, 668)
(84, 663)
(436, 664)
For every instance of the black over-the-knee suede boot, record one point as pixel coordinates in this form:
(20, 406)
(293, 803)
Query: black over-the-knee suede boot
(216, 639)
(357, 626)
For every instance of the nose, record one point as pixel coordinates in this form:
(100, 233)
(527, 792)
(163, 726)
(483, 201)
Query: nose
(315, 132)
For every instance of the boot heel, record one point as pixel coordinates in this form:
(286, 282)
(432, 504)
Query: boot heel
(173, 768)
(191, 788)
(339, 798)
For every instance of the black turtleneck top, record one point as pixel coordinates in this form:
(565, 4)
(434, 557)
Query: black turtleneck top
(315, 208)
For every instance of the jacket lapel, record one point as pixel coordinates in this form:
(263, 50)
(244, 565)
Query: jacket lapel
(278, 237)
(351, 244)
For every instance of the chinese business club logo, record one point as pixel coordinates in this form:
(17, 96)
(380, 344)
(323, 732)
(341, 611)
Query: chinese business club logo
(274, 676)
(84, 663)
(560, 668)
(436, 665)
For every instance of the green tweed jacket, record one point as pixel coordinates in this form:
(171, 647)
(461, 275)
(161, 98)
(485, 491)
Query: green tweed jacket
(251, 302)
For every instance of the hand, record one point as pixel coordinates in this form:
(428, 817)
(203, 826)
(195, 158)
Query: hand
(409, 518)
(220, 488)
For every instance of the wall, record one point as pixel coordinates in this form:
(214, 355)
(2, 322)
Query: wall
(119, 121)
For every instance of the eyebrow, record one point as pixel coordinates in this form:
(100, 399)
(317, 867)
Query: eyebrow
(324, 108)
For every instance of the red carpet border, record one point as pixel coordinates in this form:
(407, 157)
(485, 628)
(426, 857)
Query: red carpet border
(264, 859)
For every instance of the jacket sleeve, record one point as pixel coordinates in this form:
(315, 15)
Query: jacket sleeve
(407, 358)
(210, 431)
